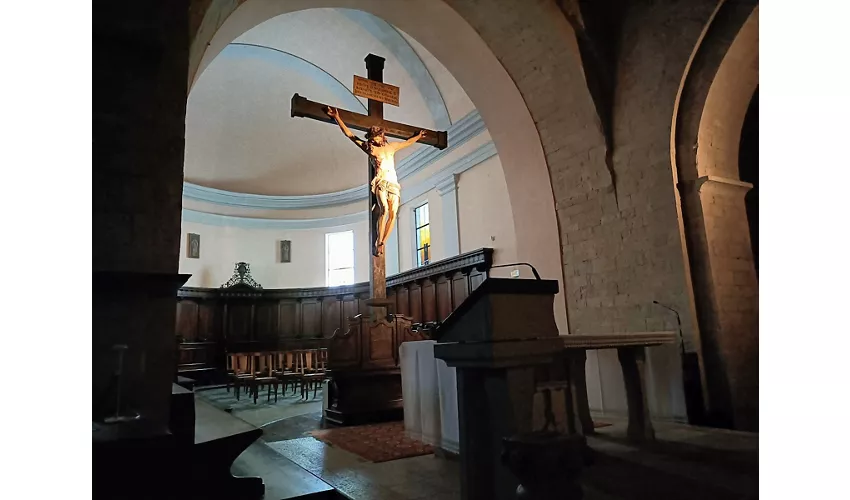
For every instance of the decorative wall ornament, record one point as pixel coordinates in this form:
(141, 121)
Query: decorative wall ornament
(193, 246)
(286, 251)
(242, 276)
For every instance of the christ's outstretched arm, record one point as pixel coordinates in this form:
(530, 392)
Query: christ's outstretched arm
(398, 146)
(333, 113)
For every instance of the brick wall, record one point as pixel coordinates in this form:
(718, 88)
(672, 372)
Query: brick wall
(619, 254)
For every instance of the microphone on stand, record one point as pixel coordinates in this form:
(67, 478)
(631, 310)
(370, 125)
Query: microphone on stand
(691, 378)
(678, 322)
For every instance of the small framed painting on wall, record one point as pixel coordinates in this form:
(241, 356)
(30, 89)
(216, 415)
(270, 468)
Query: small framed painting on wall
(193, 246)
(286, 251)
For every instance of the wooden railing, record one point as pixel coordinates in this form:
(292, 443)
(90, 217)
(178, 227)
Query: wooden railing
(214, 321)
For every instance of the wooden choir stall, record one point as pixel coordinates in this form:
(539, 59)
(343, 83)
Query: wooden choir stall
(362, 369)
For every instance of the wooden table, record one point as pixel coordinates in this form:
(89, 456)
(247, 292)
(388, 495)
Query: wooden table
(630, 351)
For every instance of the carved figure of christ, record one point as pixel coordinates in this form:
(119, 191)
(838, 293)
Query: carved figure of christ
(384, 184)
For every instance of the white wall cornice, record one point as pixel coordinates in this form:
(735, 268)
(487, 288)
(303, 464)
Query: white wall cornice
(255, 223)
(459, 133)
(444, 179)
(445, 174)
(447, 185)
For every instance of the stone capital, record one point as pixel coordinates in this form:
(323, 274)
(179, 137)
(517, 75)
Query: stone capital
(713, 181)
(447, 185)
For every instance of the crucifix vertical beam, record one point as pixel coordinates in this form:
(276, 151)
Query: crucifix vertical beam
(378, 264)
(305, 108)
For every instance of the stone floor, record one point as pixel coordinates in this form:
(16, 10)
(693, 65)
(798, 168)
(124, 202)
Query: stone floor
(685, 461)
(424, 477)
(266, 411)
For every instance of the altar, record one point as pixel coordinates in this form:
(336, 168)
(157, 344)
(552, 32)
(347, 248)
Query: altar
(429, 388)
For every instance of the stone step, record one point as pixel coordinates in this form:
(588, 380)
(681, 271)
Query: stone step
(630, 472)
(283, 479)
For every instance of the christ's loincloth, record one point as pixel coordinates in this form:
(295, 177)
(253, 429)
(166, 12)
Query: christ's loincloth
(390, 187)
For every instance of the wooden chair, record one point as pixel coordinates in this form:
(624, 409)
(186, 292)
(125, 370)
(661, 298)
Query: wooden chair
(263, 375)
(240, 371)
(314, 377)
(285, 370)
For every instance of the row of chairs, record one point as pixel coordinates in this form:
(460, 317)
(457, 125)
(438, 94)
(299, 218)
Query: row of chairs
(301, 368)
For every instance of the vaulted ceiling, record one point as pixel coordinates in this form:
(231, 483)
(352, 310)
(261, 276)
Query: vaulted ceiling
(239, 133)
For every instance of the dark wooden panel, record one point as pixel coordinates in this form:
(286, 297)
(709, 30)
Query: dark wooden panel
(331, 316)
(475, 279)
(239, 324)
(443, 291)
(349, 309)
(391, 296)
(416, 303)
(187, 320)
(209, 326)
(346, 348)
(288, 318)
(429, 302)
(459, 289)
(311, 318)
(403, 300)
(378, 346)
(195, 354)
(265, 321)
(292, 318)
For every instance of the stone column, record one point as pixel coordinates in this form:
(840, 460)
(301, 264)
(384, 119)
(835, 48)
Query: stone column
(140, 53)
(447, 189)
(726, 289)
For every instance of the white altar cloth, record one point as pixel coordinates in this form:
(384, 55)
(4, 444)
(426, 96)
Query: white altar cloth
(429, 389)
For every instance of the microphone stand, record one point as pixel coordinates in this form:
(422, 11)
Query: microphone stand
(691, 380)
(678, 322)
(119, 417)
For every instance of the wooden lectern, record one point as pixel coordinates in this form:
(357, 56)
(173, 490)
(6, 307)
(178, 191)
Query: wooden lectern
(495, 338)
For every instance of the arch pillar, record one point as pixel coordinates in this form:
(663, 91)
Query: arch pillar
(724, 273)
(715, 99)
(452, 32)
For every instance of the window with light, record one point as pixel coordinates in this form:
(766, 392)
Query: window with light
(421, 222)
(339, 258)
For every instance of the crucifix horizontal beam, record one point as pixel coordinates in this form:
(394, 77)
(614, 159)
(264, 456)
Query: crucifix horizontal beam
(305, 108)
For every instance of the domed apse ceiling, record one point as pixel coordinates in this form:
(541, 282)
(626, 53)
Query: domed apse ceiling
(239, 133)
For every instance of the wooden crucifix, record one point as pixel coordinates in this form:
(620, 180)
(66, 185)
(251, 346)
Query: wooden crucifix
(385, 192)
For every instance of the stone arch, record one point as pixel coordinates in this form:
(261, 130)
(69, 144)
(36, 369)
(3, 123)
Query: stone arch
(748, 163)
(712, 104)
(541, 125)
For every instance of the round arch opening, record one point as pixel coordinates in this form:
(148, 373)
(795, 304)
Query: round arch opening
(445, 34)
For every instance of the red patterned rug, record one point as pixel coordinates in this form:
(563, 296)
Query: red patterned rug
(375, 443)
(380, 442)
